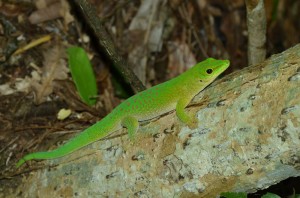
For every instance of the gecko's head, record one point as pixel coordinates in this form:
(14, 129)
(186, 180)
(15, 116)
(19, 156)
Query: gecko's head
(210, 69)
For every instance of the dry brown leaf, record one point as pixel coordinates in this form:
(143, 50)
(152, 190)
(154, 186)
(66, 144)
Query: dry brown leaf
(149, 21)
(181, 58)
(54, 68)
(49, 10)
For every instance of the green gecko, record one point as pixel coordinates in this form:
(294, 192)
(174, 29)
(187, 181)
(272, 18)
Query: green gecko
(162, 98)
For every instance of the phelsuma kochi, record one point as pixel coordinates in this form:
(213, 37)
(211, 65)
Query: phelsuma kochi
(162, 98)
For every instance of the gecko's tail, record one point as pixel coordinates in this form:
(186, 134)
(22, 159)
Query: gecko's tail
(91, 134)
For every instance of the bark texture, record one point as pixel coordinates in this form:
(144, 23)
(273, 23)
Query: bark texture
(248, 138)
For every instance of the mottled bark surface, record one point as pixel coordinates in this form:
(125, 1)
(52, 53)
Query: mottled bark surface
(248, 138)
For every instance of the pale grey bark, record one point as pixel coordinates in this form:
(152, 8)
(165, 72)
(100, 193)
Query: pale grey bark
(248, 138)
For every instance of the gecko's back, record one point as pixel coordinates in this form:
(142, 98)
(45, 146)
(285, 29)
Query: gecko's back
(163, 97)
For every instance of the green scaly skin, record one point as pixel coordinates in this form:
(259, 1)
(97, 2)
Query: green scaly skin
(173, 94)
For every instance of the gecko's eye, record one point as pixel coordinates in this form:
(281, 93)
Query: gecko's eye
(209, 71)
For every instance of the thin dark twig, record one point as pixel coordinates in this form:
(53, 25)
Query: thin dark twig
(107, 46)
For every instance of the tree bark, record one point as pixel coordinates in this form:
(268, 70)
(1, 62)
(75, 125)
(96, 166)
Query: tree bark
(248, 138)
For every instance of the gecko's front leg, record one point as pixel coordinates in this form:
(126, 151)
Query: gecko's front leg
(187, 118)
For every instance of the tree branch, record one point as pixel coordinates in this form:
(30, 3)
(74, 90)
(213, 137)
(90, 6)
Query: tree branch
(257, 28)
(248, 138)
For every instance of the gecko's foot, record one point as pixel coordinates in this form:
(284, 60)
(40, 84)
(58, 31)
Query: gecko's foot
(132, 140)
(192, 122)
(193, 125)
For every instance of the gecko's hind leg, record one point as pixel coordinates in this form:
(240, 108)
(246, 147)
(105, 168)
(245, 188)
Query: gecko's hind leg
(132, 126)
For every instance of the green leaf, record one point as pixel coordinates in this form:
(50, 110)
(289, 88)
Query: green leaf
(82, 74)
(234, 194)
(270, 195)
